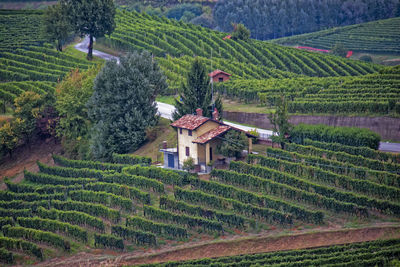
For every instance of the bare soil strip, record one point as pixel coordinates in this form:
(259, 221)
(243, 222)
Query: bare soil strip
(232, 247)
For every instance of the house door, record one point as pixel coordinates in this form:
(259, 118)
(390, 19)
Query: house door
(210, 153)
(171, 160)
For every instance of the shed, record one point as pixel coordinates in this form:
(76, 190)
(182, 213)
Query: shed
(219, 76)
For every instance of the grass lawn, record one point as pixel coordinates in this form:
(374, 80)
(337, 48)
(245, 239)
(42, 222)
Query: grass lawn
(70, 50)
(161, 132)
(167, 99)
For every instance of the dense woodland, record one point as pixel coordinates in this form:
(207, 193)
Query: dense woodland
(269, 19)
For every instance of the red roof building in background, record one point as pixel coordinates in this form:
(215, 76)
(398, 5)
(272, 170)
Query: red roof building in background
(219, 76)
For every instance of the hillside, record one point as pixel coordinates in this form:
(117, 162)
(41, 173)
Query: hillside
(26, 61)
(175, 43)
(381, 36)
(377, 93)
(78, 204)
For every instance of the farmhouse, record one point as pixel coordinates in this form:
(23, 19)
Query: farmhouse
(198, 138)
(219, 76)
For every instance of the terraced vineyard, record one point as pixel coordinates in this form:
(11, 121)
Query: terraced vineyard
(20, 29)
(123, 206)
(375, 253)
(381, 36)
(252, 59)
(26, 64)
(377, 93)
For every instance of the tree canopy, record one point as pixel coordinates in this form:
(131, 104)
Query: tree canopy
(94, 18)
(232, 144)
(196, 93)
(280, 120)
(72, 95)
(57, 23)
(122, 106)
(267, 19)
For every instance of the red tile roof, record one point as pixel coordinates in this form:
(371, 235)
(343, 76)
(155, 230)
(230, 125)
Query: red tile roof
(208, 136)
(216, 72)
(190, 122)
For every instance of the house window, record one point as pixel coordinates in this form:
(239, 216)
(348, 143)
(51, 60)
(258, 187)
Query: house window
(187, 152)
(180, 130)
(211, 153)
(220, 79)
(190, 133)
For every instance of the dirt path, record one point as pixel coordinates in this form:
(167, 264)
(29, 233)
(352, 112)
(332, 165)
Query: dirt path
(25, 159)
(232, 247)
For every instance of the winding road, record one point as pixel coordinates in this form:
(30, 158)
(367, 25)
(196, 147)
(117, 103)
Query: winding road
(166, 110)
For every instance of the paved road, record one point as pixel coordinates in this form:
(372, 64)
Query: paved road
(83, 47)
(166, 110)
(389, 147)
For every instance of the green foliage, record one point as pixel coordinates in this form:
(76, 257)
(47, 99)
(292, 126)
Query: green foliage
(72, 95)
(120, 122)
(54, 226)
(9, 137)
(130, 159)
(339, 50)
(357, 151)
(188, 164)
(269, 19)
(232, 144)
(377, 36)
(21, 245)
(57, 24)
(372, 253)
(280, 120)
(350, 136)
(240, 32)
(139, 237)
(196, 93)
(36, 235)
(6, 256)
(157, 228)
(94, 18)
(108, 241)
(27, 110)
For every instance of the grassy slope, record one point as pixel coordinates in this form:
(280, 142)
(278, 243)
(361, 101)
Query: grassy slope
(158, 134)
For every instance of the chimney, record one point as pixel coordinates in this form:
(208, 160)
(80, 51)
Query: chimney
(215, 114)
(199, 112)
(164, 144)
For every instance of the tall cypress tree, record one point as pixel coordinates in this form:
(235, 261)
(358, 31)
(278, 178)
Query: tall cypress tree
(122, 106)
(196, 93)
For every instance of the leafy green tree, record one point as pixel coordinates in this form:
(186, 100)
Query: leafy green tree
(94, 18)
(9, 137)
(188, 164)
(280, 121)
(196, 93)
(57, 24)
(339, 50)
(27, 108)
(233, 144)
(72, 94)
(240, 32)
(122, 106)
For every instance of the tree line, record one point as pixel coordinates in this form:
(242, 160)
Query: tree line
(268, 19)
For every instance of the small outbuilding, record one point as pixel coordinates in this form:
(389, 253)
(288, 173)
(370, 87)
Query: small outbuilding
(219, 76)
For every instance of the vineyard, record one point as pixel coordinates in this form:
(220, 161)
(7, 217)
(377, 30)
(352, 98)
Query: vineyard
(127, 204)
(376, 93)
(174, 43)
(375, 253)
(26, 62)
(380, 36)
